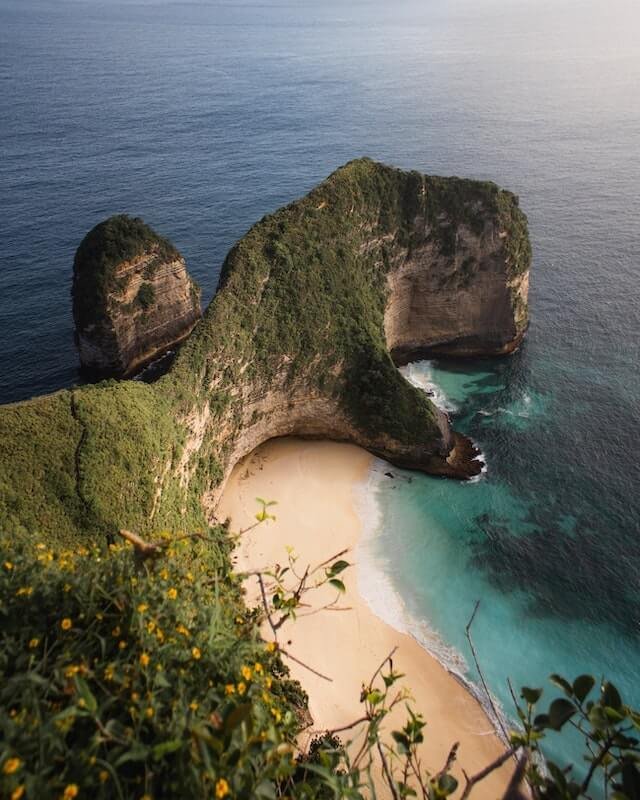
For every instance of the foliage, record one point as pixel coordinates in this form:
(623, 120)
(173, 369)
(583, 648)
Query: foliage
(146, 296)
(126, 681)
(119, 238)
(609, 728)
(300, 309)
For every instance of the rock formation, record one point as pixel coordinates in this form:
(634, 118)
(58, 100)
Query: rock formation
(314, 304)
(132, 297)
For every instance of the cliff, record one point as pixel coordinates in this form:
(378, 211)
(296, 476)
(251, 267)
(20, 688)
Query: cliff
(132, 297)
(312, 304)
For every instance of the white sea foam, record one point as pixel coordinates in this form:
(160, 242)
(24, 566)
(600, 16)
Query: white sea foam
(376, 585)
(420, 374)
(377, 588)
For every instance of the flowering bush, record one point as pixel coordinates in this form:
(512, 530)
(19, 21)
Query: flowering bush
(136, 682)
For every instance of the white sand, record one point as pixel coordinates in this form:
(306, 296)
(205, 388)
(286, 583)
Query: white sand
(313, 484)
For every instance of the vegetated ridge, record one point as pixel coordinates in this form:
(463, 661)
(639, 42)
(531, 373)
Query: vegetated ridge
(314, 304)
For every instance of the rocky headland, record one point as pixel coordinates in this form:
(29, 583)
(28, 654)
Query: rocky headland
(316, 305)
(133, 298)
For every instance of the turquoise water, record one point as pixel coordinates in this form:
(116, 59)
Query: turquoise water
(203, 116)
(522, 541)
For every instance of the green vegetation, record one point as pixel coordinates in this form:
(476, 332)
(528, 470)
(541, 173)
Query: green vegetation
(300, 307)
(119, 238)
(147, 678)
(146, 296)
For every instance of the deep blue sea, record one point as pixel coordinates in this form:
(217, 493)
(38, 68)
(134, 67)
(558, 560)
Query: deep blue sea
(203, 116)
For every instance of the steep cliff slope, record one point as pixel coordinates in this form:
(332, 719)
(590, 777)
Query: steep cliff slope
(296, 341)
(132, 297)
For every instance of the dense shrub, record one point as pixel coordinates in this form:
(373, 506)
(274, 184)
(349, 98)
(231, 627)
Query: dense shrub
(135, 682)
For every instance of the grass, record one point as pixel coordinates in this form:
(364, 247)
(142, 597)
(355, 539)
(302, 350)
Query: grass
(301, 300)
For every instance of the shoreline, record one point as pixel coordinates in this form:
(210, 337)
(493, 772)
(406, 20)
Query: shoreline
(315, 485)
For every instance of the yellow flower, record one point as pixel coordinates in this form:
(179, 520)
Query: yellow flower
(276, 713)
(242, 688)
(108, 673)
(172, 593)
(148, 712)
(222, 788)
(195, 652)
(122, 644)
(71, 670)
(268, 681)
(246, 673)
(66, 624)
(8, 565)
(116, 631)
(142, 608)
(33, 643)
(11, 765)
(229, 689)
(258, 668)
(164, 574)
(104, 776)
(151, 626)
(181, 629)
(135, 696)
(24, 590)
(144, 659)
(193, 706)
(70, 792)
(271, 647)
(17, 793)
(40, 546)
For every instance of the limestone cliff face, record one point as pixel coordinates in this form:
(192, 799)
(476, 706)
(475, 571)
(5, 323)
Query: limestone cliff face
(133, 298)
(317, 305)
(469, 303)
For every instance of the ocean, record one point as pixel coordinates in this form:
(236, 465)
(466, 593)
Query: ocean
(201, 117)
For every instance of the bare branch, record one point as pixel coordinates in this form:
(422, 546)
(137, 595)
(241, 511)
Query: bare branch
(306, 666)
(467, 631)
(385, 767)
(480, 776)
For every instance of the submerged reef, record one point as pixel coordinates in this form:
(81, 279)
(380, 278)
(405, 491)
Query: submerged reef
(316, 306)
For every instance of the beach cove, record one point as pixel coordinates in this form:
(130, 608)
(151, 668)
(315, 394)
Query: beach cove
(315, 485)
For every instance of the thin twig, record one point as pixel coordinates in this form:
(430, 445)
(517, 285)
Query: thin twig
(480, 776)
(265, 603)
(306, 666)
(467, 631)
(513, 789)
(387, 773)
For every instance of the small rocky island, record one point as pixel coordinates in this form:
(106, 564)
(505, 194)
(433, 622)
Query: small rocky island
(132, 297)
(316, 306)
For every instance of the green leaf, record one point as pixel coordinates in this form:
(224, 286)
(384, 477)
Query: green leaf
(337, 568)
(401, 740)
(582, 686)
(90, 702)
(447, 785)
(337, 584)
(611, 696)
(531, 695)
(238, 716)
(560, 712)
(562, 683)
(164, 748)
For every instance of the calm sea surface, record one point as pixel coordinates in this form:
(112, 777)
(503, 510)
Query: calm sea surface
(201, 117)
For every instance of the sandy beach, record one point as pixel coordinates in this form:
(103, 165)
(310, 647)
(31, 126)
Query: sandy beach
(313, 484)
